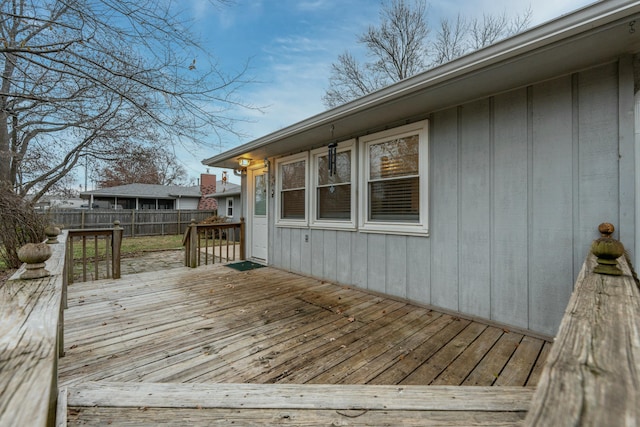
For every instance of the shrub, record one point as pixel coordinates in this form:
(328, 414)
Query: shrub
(20, 224)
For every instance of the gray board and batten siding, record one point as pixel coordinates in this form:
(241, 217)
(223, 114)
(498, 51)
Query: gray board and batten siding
(518, 183)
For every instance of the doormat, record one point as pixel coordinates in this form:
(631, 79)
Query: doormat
(244, 265)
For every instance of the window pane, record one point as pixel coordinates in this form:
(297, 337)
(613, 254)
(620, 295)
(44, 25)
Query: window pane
(342, 173)
(260, 197)
(395, 158)
(334, 202)
(395, 200)
(293, 204)
(293, 175)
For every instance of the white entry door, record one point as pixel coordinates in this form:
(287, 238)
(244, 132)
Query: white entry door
(258, 223)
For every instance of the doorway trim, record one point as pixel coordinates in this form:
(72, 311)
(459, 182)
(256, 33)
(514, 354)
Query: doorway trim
(250, 177)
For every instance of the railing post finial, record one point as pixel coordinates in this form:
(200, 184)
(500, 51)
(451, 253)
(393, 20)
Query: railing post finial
(34, 256)
(608, 250)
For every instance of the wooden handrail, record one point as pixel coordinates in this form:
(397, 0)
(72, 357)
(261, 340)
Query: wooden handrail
(197, 237)
(31, 321)
(592, 374)
(112, 254)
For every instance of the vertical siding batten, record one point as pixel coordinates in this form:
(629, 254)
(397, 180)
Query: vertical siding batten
(305, 251)
(628, 169)
(419, 269)
(444, 210)
(285, 249)
(474, 210)
(330, 255)
(552, 276)
(344, 253)
(296, 249)
(396, 270)
(510, 241)
(377, 264)
(598, 159)
(359, 251)
(317, 252)
(575, 165)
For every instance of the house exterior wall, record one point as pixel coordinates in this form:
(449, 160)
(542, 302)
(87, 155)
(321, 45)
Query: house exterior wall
(518, 183)
(188, 203)
(237, 207)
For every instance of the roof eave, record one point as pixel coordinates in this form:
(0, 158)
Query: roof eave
(588, 20)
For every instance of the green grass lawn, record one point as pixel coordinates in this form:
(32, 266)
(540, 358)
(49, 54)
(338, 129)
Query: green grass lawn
(132, 245)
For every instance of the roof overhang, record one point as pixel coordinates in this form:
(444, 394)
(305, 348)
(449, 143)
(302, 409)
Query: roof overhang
(231, 193)
(590, 36)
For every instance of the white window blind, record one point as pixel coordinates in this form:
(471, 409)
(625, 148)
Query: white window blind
(292, 190)
(394, 180)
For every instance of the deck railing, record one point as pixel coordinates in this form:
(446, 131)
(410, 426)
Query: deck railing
(100, 255)
(592, 374)
(204, 243)
(31, 340)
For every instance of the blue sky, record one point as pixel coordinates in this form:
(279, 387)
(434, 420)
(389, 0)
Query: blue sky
(291, 45)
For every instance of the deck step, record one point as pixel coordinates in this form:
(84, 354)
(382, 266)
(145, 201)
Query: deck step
(93, 403)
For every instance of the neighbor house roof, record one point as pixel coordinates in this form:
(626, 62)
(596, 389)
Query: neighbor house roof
(225, 190)
(146, 191)
(590, 36)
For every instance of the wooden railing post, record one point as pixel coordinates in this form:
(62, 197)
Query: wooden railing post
(592, 374)
(242, 240)
(31, 330)
(116, 242)
(193, 244)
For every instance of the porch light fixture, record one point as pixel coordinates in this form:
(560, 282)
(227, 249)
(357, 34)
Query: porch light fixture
(243, 162)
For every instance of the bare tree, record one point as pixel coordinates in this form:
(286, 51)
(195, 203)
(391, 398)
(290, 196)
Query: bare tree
(396, 48)
(83, 78)
(401, 46)
(142, 165)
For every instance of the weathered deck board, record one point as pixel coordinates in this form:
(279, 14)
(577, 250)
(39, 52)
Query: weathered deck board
(137, 417)
(309, 396)
(256, 404)
(215, 324)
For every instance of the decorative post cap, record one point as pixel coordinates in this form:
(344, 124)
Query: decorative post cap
(52, 232)
(34, 255)
(607, 250)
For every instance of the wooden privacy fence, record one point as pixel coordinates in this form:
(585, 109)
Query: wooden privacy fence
(224, 241)
(144, 222)
(100, 252)
(592, 374)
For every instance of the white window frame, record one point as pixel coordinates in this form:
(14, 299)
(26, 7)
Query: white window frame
(229, 199)
(420, 128)
(287, 222)
(351, 224)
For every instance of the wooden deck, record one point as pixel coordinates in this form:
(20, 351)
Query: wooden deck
(214, 324)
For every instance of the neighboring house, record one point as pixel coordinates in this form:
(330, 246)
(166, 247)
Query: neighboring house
(476, 187)
(152, 196)
(228, 200)
(58, 203)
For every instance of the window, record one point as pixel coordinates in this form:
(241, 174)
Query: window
(333, 195)
(292, 190)
(394, 179)
(230, 207)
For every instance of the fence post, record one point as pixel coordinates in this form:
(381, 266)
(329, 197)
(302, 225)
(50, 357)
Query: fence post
(193, 244)
(242, 239)
(116, 242)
